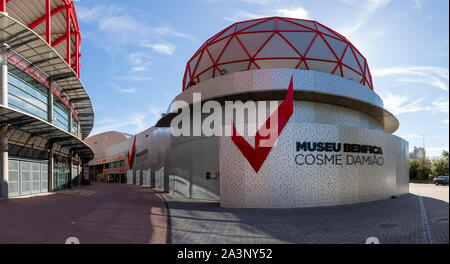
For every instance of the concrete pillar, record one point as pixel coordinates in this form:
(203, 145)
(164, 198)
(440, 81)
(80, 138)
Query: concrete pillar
(80, 171)
(51, 165)
(69, 182)
(50, 103)
(4, 130)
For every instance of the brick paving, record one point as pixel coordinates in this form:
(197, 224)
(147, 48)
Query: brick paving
(117, 213)
(392, 221)
(99, 213)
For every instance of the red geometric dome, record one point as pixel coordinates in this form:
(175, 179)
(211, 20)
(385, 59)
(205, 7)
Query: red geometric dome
(277, 42)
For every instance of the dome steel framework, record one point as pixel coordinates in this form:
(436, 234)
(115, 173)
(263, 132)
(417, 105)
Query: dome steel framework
(277, 42)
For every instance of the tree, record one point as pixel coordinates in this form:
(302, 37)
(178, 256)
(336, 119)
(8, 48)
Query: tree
(439, 166)
(419, 169)
(413, 165)
(424, 169)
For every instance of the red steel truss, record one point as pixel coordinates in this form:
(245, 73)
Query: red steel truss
(277, 42)
(71, 29)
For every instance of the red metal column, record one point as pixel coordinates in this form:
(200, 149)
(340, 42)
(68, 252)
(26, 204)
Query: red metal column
(2, 5)
(48, 27)
(68, 34)
(77, 53)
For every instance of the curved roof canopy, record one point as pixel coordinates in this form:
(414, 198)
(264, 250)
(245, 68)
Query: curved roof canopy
(277, 42)
(39, 56)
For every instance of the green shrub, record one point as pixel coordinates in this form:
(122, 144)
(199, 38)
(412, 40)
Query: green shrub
(413, 166)
(419, 169)
(439, 166)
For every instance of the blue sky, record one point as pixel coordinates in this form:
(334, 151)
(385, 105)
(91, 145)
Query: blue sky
(135, 52)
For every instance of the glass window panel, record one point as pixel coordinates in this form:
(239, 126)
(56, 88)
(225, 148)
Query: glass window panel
(206, 75)
(27, 98)
(204, 63)
(253, 41)
(233, 52)
(233, 67)
(320, 50)
(280, 63)
(308, 24)
(216, 48)
(321, 66)
(300, 41)
(337, 45)
(277, 47)
(326, 31)
(348, 73)
(350, 60)
(243, 25)
(264, 26)
(284, 25)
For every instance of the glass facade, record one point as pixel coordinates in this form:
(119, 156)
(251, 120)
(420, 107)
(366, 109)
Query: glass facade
(61, 175)
(31, 99)
(74, 126)
(60, 114)
(29, 96)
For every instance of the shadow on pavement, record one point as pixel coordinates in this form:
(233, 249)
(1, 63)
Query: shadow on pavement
(391, 220)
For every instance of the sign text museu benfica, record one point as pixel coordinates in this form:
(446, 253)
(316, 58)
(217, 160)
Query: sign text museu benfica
(331, 153)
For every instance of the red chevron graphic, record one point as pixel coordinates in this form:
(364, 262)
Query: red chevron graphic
(130, 157)
(256, 156)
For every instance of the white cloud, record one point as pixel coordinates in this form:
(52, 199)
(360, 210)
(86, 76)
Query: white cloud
(140, 61)
(296, 12)
(120, 28)
(134, 78)
(126, 90)
(168, 30)
(399, 104)
(435, 151)
(445, 121)
(366, 10)
(417, 4)
(165, 48)
(130, 123)
(440, 105)
(435, 76)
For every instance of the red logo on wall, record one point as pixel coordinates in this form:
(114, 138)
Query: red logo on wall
(130, 157)
(257, 155)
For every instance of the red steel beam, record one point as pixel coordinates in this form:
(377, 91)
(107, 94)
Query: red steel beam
(77, 54)
(38, 21)
(68, 34)
(59, 40)
(3, 5)
(48, 25)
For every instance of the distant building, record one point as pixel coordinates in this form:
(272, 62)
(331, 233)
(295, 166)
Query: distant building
(417, 153)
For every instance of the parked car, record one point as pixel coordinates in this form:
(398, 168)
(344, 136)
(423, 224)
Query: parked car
(441, 180)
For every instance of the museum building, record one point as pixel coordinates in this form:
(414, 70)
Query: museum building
(45, 111)
(334, 144)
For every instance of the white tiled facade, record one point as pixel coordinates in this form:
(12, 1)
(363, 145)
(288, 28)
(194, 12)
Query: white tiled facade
(179, 165)
(281, 183)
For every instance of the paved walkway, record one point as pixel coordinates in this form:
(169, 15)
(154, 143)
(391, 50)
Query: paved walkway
(117, 213)
(430, 190)
(391, 221)
(99, 213)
